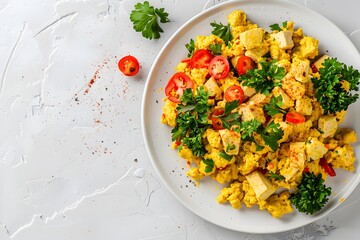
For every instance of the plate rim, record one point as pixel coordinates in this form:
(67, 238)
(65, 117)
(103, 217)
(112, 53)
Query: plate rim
(144, 103)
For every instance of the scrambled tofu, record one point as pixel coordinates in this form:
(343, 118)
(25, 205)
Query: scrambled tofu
(254, 152)
(262, 186)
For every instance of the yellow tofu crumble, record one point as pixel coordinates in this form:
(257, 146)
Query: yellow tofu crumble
(254, 171)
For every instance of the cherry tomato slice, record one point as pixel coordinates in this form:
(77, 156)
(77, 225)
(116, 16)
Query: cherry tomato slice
(234, 93)
(327, 167)
(176, 86)
(219, 67)
(293, 117)
(129, 65)
(201, 59)
(243, 64)
(216, 122)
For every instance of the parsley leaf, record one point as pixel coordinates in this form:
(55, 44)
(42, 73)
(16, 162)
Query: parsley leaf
(228, 118)
(265, 78)
(248, 127)
(276, 176)
(216, 48)
(222, 31)
(145, 20)
(190, 47)
(271, 134)
(329, 87)
(274, 107)
(312, 194)
(209, 165)
(191, 122)
(276, 26)
(224, 155)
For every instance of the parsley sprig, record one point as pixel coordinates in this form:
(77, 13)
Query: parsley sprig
(276, 26)
(222, 31)
(145, 20)
(191, 122)
(265, 78)
(329, 89)
(312, 194)
(247, 128)
(274, 107)
(271, 135)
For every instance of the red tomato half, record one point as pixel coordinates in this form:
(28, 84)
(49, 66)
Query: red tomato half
(293, 117)
(201, 59)
(327, 167)
(129, 65)
(219, 67)
(234, 93)
(176, 86)
(216, 122)
(243, 64)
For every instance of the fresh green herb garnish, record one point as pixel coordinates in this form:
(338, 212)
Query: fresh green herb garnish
(190, 47)
(276, 176)
(145, 20)
(247, 128)
(209, 165)
(222, 31)
(258, 147)
(274, 107)
(271, 134)
(228, 118)
(276, 26)
(191, 122)
(330, 92)
(225, 155)
(312, 194)
(216, 48)
(264, 79)
(230, 147)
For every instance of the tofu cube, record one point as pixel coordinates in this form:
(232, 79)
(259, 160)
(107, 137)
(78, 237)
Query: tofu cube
(293, 88)
(284, 38)
(252, 38)
(300, 70)
(327, 125)
(231, 141)
(259, 99)
(249, 112)
(262, 186)
(314, 149)
(286, 100)
(304, 106)
(287, 129)
(248, 91)
(296, 160)
(297, 153)
(256, 53)
(213, 88)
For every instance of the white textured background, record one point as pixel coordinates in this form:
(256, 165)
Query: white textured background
(72, 160)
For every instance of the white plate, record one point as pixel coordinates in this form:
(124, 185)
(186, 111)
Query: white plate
(172, 169)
